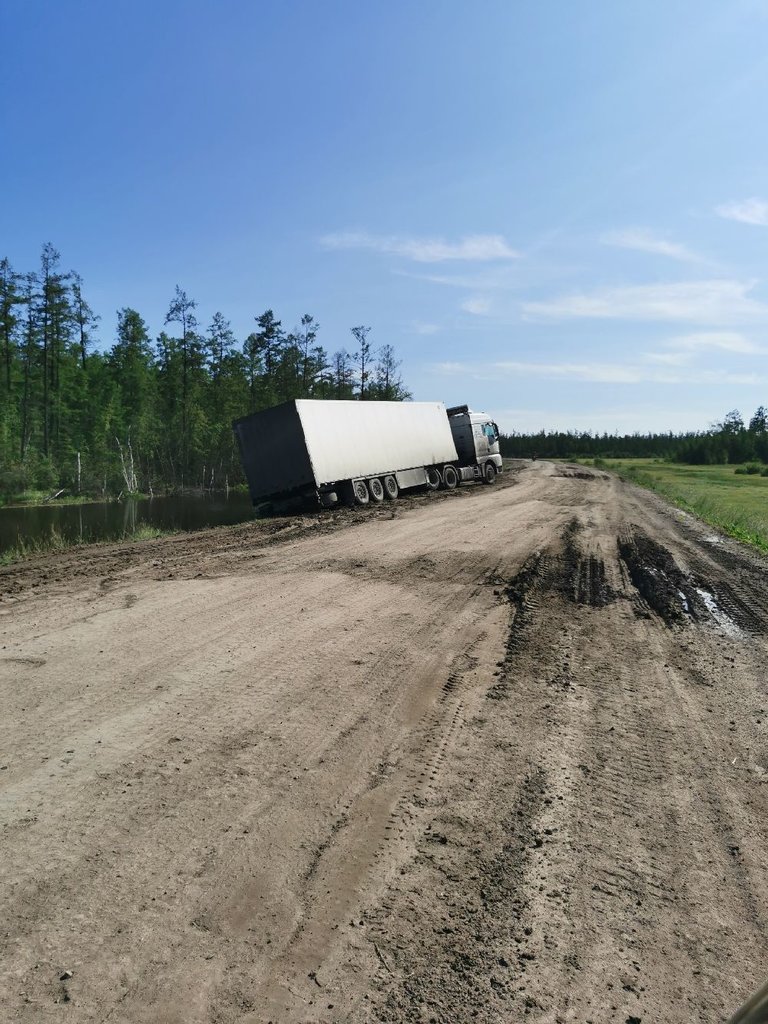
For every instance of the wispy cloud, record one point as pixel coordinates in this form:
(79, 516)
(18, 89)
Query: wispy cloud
(598, 373)
(622, 419)
(724, 341)
(670, 358)
(643, 240)
(477, 305)
(683, 349)
(747, 211)
(699, 302)
(491, 277)
(418, 327)
(471, 248)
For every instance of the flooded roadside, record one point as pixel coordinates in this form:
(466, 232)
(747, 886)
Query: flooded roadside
(96, 521)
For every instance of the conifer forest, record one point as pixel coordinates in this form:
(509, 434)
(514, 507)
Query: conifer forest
(146, 414)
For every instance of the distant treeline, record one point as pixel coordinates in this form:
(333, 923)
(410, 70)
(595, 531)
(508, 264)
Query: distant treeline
(729, 441)
(149, 414)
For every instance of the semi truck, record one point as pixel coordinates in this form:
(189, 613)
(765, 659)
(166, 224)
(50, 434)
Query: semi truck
(330, 452)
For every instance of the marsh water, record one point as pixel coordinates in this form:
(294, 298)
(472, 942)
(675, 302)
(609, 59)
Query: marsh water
(111, 520)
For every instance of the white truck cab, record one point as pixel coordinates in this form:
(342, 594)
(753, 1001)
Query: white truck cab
(476, 437)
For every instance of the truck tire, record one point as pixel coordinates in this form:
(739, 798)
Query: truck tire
(433, 478)
(489, 473)
(391, 490)
(360, 491)
(450, 478)
(376, 489)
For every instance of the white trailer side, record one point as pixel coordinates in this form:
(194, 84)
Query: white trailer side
(359, 439)
(307, 444)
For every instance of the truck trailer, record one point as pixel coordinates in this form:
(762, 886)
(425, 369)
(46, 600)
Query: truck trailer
(355, 452)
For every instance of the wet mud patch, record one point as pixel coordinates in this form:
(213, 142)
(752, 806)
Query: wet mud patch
(659, 580)
(584, 579)
(734, 610)
(522, 592)
(579, 473)
(570, 573)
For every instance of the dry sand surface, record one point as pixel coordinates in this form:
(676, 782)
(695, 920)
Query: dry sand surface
(492, 755)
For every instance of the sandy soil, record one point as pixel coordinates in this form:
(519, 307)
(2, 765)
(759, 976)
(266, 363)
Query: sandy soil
(495, 754)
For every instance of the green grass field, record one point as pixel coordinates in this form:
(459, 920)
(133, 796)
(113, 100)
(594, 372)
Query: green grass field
(736, 504)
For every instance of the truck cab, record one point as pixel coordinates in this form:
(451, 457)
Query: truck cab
(476, 437)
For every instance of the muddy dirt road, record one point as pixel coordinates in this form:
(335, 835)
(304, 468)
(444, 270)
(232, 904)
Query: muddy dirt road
(495, 755)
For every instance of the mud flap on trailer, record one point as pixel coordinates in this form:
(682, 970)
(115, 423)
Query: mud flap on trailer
(411, 478)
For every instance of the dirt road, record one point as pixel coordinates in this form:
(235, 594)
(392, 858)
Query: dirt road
(474, 757)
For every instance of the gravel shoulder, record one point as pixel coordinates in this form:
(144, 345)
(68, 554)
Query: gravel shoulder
(470, 757)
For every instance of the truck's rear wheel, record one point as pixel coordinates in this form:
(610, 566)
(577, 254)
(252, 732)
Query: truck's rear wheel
(391, 490)
(376, 489)
(433, 478)
(360, 491)
(489, 473)
(450, 478)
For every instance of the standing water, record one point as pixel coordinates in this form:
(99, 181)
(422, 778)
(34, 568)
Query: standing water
(31, 525)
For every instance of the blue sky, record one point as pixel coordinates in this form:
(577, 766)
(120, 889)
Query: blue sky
(555, 211)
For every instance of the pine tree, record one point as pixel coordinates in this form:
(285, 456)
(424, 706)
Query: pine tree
(219, 342)
(263, 354)
(84, 317)
(343, 375)
(363, 357)
(30, 352)
(189, 346)
(10, 298)
(388, 384)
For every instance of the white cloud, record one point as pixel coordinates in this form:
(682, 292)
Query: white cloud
(423, 328)
(715, 301)
(476, 305)
(471, 248)
(685, 347)
(670, 358)
(598, 373)
(492, 277)
(642, 240)
(725, 341)
(624, 419)
(747, 211)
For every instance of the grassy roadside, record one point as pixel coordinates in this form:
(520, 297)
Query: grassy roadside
(54, 542)
(735, 503)
(43, 498)
(32, 498)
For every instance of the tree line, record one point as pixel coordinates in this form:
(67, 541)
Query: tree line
(149, 414)
(728, 441)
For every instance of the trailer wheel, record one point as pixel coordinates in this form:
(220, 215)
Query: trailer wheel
(391, 490)
(450, 478)
(433, 478)
(360, 490)
(489, 473)
(376, 489)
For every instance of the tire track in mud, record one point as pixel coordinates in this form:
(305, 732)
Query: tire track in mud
(658, 579)
(479, 941)
(584, 577)
(375, 813)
